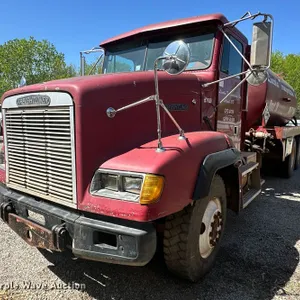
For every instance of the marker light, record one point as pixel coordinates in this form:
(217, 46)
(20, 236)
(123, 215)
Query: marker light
(152, 189)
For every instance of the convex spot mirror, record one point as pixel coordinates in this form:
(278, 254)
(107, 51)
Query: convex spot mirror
(22, 82)
(177, 57)
(261, 44)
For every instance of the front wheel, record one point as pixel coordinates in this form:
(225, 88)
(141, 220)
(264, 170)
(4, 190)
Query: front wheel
(288, 165)
(192, 236)
(297, 159)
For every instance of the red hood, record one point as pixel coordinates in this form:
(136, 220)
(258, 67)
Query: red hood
(99, 138)
(78, 86)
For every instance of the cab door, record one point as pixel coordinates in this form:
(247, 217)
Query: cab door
(229, 111)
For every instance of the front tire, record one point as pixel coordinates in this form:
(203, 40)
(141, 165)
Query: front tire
(288, 165)
(297, 159)
(192, 236)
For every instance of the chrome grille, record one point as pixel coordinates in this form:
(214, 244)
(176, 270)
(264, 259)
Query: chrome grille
(40, 156)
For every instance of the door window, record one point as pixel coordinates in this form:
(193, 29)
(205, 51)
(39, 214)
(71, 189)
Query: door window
(232, 62)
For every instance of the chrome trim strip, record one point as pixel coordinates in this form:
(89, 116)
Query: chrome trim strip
(5, 144)
(57, 99)
(74, 178)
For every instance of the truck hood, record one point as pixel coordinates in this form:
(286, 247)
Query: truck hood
(132, 82)
(99, 138)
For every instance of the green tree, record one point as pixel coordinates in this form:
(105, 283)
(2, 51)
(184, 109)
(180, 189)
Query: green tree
(288, 67)
(95, 67)
(37, 61)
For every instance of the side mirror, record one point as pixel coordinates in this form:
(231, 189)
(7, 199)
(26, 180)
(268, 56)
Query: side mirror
(261, 48)
(176, 57)
(22, 82)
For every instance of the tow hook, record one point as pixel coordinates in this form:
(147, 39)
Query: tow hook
(60, 236)
(5, 209)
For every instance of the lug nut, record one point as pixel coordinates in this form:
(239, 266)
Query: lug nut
(9, 209)
(62, 232)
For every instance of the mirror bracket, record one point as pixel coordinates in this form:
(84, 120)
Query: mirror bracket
(111, 112)
(249, 16)
(256, 72)
(83, 61)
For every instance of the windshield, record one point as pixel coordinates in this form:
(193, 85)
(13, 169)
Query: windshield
(142, 58)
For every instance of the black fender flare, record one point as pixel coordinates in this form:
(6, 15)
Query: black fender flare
(210, 165)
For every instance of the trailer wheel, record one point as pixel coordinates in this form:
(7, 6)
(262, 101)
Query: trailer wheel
(297, 159)
(288, 165)
(192, 236)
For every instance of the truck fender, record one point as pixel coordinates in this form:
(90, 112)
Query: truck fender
(179, 164)
(210, 165)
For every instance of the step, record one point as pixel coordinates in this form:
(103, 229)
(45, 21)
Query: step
(245, 169)
(249, 156)
(250, 196)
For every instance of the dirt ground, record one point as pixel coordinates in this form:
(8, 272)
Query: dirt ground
(259, 259)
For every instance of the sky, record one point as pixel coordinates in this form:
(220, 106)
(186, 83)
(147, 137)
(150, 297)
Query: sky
(75, 25)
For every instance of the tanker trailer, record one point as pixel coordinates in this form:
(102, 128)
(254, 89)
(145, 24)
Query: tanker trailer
(277, 96)
(271, 106)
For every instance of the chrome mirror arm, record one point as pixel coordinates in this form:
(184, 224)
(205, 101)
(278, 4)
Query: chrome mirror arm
(245, 17)
(185, 54)
(181, 132)
(96, 63)
(111, 112)
(255, 70)
(236, 49)
(160, 147)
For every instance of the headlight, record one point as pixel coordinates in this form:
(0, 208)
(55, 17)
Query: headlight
(135, 187)
(132, 184)
(108, 181)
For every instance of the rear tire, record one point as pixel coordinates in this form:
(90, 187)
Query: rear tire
(192, 236)
(288, 166)
(297, 159)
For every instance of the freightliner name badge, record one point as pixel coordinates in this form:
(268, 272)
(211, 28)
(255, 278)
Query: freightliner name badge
(177, 106)
(34, 100)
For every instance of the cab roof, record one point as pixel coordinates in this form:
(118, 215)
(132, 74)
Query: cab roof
(171, 24)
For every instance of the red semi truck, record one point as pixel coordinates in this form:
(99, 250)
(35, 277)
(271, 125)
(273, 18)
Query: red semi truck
(157, 148)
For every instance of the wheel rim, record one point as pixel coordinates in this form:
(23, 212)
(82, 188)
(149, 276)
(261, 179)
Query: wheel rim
(211, 227)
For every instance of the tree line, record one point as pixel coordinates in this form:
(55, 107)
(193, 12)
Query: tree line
(39, 61)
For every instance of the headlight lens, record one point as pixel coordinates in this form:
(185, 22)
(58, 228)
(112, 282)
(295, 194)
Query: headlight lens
(109, 181)
(142, 188)
(132, 184)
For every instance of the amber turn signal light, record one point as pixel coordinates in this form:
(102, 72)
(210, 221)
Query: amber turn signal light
(152, 189)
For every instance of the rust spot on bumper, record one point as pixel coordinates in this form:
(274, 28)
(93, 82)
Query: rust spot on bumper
(34, 234)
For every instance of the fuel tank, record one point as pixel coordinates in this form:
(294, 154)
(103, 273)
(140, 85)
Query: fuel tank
(279, 97)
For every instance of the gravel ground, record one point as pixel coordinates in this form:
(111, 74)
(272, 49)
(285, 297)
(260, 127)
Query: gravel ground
(258, 260)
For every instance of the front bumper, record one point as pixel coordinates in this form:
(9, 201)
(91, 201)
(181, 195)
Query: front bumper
(47, 225)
